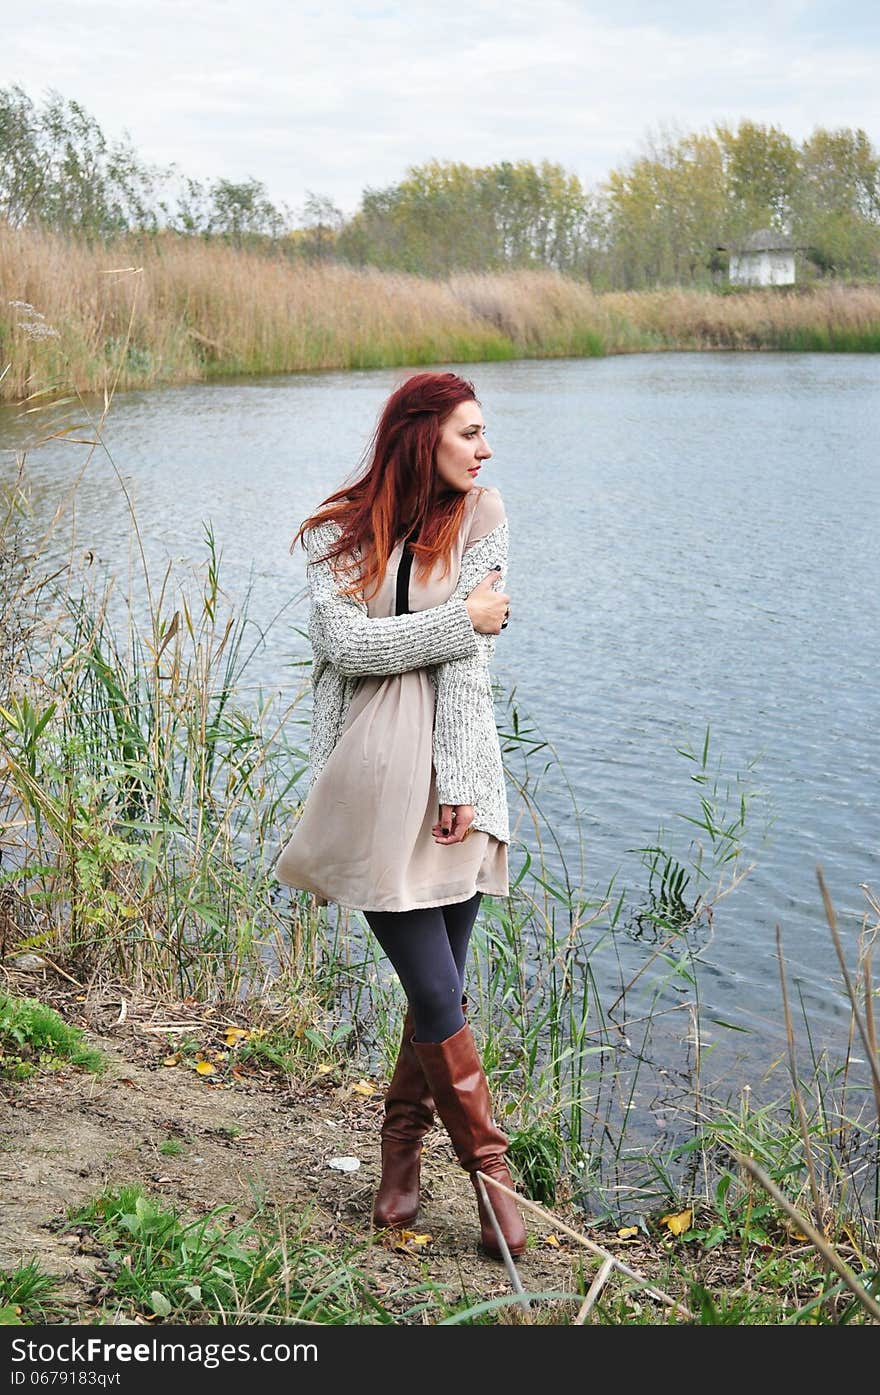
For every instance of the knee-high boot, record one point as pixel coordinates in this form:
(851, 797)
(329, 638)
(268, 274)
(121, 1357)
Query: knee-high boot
(454, 1073)
(409, 1114)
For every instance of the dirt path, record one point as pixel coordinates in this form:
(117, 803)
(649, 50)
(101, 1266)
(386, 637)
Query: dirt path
(249, 1138)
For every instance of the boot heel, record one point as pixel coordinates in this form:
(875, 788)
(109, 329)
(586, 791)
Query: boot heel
(454, 1073)
(506, 1213)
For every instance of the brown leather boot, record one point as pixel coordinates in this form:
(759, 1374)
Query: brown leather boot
(454, 1072)
(409, 1114)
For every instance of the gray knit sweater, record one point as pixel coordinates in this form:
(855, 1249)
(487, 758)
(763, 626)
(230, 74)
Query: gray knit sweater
(348, 643)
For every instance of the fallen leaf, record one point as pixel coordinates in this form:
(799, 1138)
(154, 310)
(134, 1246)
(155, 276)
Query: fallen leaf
(414, 1241)
(236, 1034)
(364, 1087)
(627, 1231)
(325, 1067)
(205, 1068)
(679, 1222)
(552, 1240)
(172, 1060)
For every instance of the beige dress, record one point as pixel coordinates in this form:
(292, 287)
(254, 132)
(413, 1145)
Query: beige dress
(364, 837)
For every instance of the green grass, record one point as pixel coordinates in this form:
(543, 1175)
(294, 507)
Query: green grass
(829, 339)
(28, 1295)
(536, 1154)
(33, 1036)
(213, 1270)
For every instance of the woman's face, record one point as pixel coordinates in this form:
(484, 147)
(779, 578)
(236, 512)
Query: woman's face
(462, 447)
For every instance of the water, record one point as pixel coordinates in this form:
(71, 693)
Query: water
(693, 543)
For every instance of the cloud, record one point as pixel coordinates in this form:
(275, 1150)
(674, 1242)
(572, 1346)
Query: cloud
(348, 94)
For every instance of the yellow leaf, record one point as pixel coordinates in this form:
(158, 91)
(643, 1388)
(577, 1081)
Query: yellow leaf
(627, 1231)
(205, 1068)
(678, 1223)
(325, 1067)
(364, 1087)
(409, 1237)
(172, 1060)
(236, 1034)
(551, 1240)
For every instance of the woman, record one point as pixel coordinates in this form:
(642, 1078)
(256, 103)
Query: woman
(406, 815)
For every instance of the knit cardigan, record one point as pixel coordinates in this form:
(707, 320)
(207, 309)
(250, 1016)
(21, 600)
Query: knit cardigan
(348, 643)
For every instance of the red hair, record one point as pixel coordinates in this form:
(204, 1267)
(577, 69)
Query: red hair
(397, 492)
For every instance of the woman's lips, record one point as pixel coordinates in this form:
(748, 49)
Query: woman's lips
(473, 469)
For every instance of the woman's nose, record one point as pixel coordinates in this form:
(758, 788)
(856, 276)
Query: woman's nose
(484, 452)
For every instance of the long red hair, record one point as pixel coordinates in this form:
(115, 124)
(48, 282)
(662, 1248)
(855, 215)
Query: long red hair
(396, 493)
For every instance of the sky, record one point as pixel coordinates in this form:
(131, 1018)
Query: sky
(335, 97)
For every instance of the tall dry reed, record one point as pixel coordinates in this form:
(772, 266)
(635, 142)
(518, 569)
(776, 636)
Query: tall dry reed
(825, 318)
(175, 309)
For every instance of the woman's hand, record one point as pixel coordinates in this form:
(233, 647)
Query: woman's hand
(487, 608)
(454, 823)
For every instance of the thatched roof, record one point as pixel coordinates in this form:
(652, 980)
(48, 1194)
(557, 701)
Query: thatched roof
(764, 240)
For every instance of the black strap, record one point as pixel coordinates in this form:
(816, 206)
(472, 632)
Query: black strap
(402, 592)
(401, 600)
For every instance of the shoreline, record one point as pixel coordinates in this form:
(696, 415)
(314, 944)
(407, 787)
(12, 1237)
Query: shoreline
(95, 320)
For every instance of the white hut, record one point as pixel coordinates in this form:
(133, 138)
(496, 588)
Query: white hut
(764, 258)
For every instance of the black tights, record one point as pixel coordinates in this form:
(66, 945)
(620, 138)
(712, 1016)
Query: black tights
(428, 949)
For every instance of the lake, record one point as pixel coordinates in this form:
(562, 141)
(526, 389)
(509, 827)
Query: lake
(693, 543)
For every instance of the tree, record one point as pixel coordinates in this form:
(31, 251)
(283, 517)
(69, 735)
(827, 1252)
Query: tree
(243, 210)
(666, 212)
(837, 205)
(761, 167)
(58, 169)
(23, 170)
(322, 221)
(446, 216)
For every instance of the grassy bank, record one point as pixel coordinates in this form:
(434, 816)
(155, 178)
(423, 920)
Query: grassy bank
(212, 1134)
(144, 793)
(177, 310)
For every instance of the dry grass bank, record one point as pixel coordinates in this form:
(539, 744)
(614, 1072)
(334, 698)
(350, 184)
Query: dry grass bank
(178, 310)
(837, 318)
